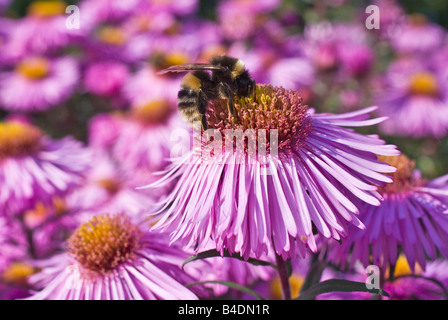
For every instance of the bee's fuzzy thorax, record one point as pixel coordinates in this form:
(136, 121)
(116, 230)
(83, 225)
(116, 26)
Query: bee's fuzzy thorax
(238, 69)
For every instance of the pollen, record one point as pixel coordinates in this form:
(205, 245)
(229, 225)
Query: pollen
(153, 112)
(402, 268)
(18, 139)
(112, 35)
(295, 283)
(17, 273)
(45, 9)
(424, 83)
(403, 178)
(34, 68)
(104, 242)
(272, 108)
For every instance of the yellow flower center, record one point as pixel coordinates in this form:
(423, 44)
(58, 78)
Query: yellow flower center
(104, 242)
(112, 35)
(34, 68)
(45, 9)
(402, 268)
(17, 273)
(152, 112)
(403, 179)
(424, 83)
(295, 283)
(162, 60)
(18, 139)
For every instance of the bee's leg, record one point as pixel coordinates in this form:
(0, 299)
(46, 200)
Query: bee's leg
(226, 93)
(202, 105)
(254, 93)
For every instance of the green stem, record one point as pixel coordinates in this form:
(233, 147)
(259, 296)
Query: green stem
(284, 278)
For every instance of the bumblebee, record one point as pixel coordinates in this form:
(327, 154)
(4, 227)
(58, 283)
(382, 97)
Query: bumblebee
(228, 78)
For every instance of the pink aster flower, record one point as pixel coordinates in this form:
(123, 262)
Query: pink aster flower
(43, 29)
(108, 188)
(96, 12)
(412, 219)
(174, 7)
(103, 131)
(12, 241)
(430, 36)
(143, 138)
(291, 72)
(415, 98)
(257, 205)
(112, 258)
(105, 78)
(34, 167)
(38, 83)
(240, 19)
(138, 92)
(341, 47)
(13, 281)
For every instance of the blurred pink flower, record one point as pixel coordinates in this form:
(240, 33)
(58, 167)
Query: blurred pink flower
(415, 99)
(35, 168)
(106, 78)
(42, 30)
(338, 46)
(430, 36)
(38, 83)
(145, 85)
(12, 241)
(290, 72)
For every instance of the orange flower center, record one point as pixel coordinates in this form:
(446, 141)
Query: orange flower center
(152, 112)
(162, 60)
(104, 242)
(34, 68)
(45, 9)
(112, 35)
(17, 273)
(18, 139)
(424, 83)
(403, 179)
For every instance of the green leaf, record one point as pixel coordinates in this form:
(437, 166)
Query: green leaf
(229, 284)
(338, 285)
(214, 253)
(314, 274)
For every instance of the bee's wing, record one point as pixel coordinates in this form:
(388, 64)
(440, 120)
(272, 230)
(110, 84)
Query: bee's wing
(190, 67)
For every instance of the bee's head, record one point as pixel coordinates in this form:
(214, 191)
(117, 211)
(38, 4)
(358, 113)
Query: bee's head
(234, 71)
(245, 85)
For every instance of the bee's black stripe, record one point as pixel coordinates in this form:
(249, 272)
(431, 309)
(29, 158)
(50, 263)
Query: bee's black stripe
(187, 98)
